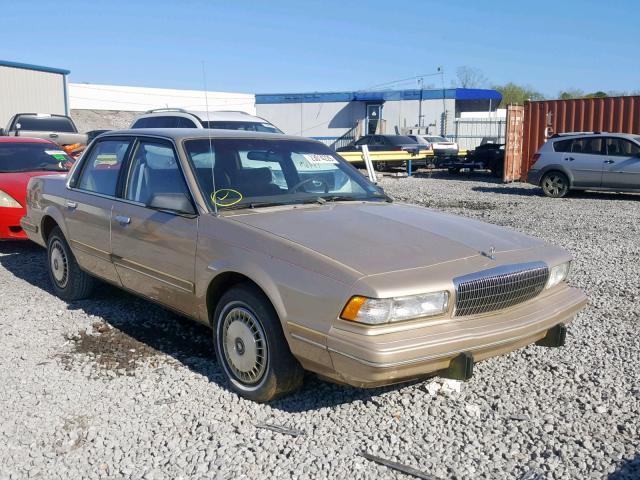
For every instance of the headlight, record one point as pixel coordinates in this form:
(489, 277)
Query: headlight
(8, 201)
(558, 274)
(377, 311)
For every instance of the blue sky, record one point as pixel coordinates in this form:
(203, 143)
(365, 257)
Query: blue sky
(294, 46)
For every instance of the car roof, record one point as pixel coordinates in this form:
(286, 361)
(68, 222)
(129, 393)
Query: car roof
(179, 134)
(572, 135)
(25, 140)
(215, 115)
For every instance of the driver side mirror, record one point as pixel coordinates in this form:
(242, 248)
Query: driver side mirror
(1, 132)
(177, 203)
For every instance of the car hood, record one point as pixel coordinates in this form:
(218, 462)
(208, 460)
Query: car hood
(375, 238)
(15, 184)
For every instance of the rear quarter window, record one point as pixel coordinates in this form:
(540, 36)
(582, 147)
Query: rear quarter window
(562, 146)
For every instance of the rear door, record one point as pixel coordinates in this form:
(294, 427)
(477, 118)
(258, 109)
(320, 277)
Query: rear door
(585, 160)
(154, 249)
(622, 164)
(89, 202)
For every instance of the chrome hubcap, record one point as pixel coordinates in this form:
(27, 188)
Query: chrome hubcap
(59, 264)
(244, 345)
(554, 185)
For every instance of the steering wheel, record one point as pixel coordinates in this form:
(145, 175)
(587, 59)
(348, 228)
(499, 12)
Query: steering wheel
(309, 180)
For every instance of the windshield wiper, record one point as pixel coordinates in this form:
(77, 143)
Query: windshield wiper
(346, 198)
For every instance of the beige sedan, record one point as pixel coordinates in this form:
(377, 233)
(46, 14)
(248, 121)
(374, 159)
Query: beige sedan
(295, 260)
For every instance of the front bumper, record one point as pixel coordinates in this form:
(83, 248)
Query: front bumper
(10, 228)
(445, 152)
(370, 359)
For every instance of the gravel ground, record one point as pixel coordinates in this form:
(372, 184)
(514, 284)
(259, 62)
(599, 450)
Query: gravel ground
(117, 387)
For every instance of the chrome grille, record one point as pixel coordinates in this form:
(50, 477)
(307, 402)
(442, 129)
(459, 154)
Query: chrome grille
(499, 288)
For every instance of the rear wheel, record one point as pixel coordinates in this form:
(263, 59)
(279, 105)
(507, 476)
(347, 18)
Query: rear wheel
(251, 347)
(454, 171)
(555, 184)
(68, 280)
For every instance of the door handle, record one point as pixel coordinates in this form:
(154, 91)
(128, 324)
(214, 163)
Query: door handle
(53, 135)
(609, 161)
(571, 159)
(122, 220)
(72, 205)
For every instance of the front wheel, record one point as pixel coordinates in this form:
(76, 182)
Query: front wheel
(555, 184)
(251, 347)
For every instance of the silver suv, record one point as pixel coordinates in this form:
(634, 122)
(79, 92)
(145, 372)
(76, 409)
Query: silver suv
(587, 161)
(227, 120)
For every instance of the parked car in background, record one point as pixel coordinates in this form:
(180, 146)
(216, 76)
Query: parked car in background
(385, 143)
(587, 161)
(487, 156)
(20, 159)
(91, 135)
(226, 120)
(57, 128)
(295, 260)
(441, 146)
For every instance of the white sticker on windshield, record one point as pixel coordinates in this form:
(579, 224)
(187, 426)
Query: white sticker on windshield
(315, 158)
(55, 152)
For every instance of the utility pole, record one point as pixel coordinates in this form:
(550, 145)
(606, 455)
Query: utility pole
(443, 123)
(421, 83)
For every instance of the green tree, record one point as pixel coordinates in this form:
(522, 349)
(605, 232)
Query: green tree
(598, 94)
(513, 94)
(570, 93)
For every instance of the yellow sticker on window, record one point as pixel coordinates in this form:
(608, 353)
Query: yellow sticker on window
(225, 197)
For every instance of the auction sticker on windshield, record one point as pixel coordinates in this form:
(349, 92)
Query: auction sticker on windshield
(58, 155)
(316, 159)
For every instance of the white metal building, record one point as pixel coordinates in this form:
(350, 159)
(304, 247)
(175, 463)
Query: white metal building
(26, 88)
(335, 116)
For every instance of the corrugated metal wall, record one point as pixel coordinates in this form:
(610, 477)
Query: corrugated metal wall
(544, 118)
(23, 90)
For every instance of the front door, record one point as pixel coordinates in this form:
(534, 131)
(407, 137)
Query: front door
(585, 160)
(622, 164)
(153, 248)
(88, 206)
(374, 114)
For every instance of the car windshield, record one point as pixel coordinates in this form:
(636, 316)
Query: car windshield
(35, 123)
(250, 173)
(237, 125)
(421, 140)
(437, 139)
(33, 157)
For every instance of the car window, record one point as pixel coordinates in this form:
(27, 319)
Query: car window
(620, 147)
(153, 170)
(166, 121)
(44, 124)
(562, 146)
(363, 140)
(32, 157)
(247, 172)
(101, 168)
(588, 146)
(240, 125)
(400, 140)
(378, 140)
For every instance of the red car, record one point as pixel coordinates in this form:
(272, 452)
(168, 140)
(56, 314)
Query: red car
(20, 159)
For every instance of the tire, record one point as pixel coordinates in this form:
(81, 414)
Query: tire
(69, 281)
(251, 347)
(454, 171)
(555, 184)
(380, 166)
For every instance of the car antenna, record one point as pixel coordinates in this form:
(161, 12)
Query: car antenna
(213, 175)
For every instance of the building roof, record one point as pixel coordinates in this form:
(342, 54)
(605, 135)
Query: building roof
(37, 68)
(380, 95)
